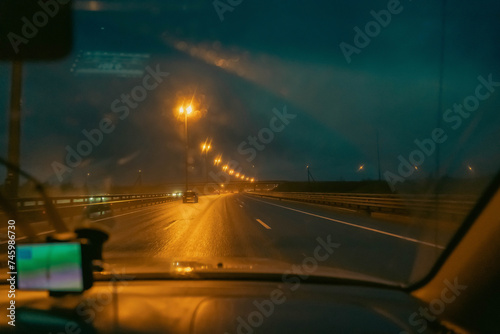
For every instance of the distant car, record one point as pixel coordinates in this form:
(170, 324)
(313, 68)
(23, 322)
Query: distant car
(189, 196)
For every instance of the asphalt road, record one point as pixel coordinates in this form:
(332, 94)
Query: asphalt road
(241, 225)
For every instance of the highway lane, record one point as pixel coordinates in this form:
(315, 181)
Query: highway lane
(241, 225)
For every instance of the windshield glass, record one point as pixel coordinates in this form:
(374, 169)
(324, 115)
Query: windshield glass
(330, 138)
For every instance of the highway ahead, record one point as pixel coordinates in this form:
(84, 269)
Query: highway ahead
(241, 225)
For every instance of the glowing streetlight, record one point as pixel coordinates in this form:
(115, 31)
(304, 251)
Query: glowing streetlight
(218, 160)
(205, 147)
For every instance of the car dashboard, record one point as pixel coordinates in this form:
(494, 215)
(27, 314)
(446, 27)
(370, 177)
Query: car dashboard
(220, 306)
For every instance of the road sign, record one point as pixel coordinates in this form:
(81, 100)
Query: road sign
(110, 63)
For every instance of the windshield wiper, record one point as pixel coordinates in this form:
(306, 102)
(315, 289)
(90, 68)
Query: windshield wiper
(50, 209)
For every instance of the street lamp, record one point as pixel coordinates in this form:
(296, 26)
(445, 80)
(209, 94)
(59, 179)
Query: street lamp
(205, 147)
(138, 181)
(186, 112)
(218, 160)
(86, 184)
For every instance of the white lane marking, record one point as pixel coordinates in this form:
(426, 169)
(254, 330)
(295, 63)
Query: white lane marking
(263, 224)
(123, 214)
(169, 226)
(149, 209)
(358, 226)
(22, 238)
(6, 241)
(338, 208)
(46, 232)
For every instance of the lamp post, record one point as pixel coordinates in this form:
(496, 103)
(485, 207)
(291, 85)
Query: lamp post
(188, 110)
(12, 179)
(205, 147)
(218, 160)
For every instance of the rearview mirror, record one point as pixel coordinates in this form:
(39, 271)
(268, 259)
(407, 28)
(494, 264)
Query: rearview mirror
(35, 30)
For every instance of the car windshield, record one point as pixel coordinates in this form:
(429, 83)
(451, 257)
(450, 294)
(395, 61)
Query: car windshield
(334, 138)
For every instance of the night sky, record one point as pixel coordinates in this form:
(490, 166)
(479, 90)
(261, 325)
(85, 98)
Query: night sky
(267, 55)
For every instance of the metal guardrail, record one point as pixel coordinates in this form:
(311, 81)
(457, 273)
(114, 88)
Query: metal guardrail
(455, 206)
(33, 209)
(34, 202)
